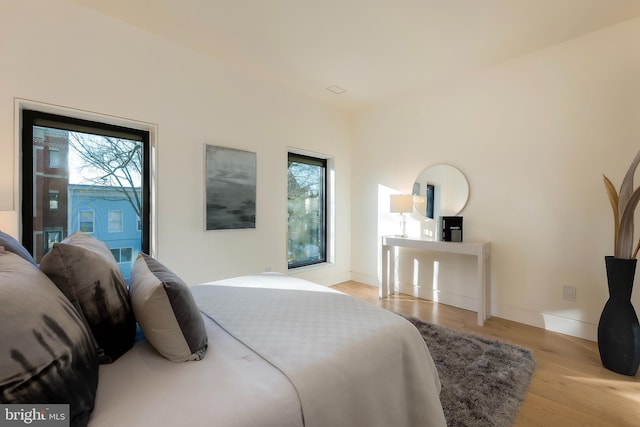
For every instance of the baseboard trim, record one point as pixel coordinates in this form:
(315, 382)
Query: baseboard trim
(367, 279)
(460, 301)
(547, 321)
(543, 320)
(322, 274)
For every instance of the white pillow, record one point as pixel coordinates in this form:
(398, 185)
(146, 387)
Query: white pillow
(166, 311)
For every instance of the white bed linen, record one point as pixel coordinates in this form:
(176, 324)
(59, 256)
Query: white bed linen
(353, 364)
(230, 387)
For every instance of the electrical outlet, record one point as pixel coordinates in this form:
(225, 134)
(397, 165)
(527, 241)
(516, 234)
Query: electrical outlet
(569, 293)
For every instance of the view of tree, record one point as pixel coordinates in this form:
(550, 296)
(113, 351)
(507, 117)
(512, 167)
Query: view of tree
(305, 184)
(303, 180)
(110, 161)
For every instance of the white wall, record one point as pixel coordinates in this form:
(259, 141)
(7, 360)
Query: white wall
(61, 53)
(534, 136)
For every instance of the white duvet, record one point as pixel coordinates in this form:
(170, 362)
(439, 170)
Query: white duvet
(352, 364)
(301, 355)
(231, 387)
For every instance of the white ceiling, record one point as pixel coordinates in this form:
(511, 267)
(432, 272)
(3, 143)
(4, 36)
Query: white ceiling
(374, 49)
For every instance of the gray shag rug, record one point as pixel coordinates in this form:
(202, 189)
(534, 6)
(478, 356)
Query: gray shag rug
(483, 380)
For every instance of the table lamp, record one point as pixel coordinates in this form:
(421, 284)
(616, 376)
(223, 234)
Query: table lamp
(402, 204)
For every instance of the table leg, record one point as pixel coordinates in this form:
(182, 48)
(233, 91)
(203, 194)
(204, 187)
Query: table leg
(388, 282)
(487, 284)
(384, 282)
(393, 284)
(484, 286)
(480, 284)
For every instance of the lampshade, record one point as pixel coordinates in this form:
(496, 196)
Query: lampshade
(401, 203)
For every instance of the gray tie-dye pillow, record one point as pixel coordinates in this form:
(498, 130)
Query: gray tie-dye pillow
(166, 311)
(84, 269)
(47, 354)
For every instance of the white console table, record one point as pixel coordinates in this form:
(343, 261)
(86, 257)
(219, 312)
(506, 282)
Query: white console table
(482, 251)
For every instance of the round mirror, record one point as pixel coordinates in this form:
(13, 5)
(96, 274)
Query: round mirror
(440, 190)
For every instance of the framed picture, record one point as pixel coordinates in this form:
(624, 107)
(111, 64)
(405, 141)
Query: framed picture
(230, 188)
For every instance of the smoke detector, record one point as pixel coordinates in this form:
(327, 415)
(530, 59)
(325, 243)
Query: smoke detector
(336, 89)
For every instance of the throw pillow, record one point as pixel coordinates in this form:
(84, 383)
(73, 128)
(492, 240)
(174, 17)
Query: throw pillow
(85, 270)
(12, 245)
(47, 353)
(166, 311)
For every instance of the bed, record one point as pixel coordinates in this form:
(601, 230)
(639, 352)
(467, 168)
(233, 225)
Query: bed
(273, 350)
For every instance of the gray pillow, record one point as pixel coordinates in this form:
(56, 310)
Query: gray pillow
(166, 311)
(12, 245)
(84, 269)
(47, 353)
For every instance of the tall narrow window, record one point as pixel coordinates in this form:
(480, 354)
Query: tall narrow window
(93, 177)
(54, 158)
(307, 209)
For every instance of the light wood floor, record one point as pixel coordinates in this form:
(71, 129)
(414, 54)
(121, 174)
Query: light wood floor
(569, 387)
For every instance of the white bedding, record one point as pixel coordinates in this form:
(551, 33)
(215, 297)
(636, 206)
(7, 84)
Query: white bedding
(376, 382)
(231, 386)
(352, 364)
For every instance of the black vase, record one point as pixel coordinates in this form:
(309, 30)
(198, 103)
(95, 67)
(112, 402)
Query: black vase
(618, 329)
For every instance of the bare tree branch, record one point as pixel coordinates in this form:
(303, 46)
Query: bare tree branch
(109, 161)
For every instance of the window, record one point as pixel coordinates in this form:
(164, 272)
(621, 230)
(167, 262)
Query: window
(122, 255)
(115, 221)
(53, 200)
(307, 210)
(99, 184)
(125, 254)
(85, 221)
(54, 158)
(51, 237)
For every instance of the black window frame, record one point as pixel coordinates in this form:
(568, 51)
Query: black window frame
(315, 161)
(31, 118)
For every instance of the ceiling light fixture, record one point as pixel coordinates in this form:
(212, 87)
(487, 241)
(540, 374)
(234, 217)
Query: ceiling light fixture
(336, 89)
